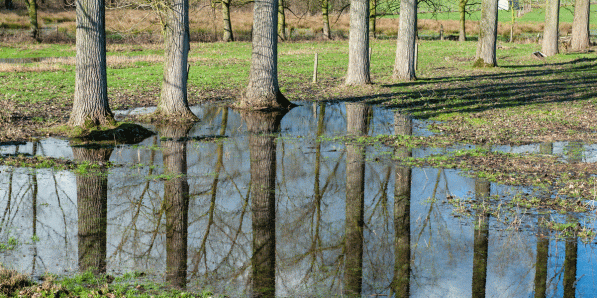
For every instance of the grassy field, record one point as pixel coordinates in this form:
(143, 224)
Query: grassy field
(448, 88)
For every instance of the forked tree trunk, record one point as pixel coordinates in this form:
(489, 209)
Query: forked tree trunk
(92, 206)
(404, 66)
(32, 10)
(173, 102)
(356, 123)
(401, 281)
(176, 202)
(358, 44)
(462, 25)
(90, 107)
(580, 26)
(228, 36)
(372, 17)
(263, 91)
(262, 146)
(325, 6)
(281, 20)
(551, 31)
(486, 47)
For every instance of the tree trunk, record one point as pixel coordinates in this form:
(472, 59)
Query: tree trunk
(356, 115)
(404, 67)
(372, 17)
(90, 107)
(228, 36)
(462, 27)
(263, 91)
(570, 267)
(580, 26)
(551, 31)
(173, 102)
(92, 206)
(176, 202)
(486, 46)
(281, 20)
(401, 281)
(325, 6)
(32, 10)
(358, 44)
(262, 146)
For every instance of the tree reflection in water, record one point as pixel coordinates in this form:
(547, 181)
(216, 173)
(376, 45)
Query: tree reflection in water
(481, 239)
(356, 125)
(176, 201)
(262, 147)
(401, 281)
(92, 206)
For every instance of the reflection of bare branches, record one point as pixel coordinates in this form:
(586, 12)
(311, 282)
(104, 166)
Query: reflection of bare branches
(139, 204)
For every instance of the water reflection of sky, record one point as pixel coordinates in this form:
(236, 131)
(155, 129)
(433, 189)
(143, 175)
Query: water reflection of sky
(309, 233)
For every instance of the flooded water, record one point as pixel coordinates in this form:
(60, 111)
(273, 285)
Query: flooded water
(274, 204)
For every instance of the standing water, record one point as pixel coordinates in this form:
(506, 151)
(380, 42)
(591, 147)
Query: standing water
(277, 204)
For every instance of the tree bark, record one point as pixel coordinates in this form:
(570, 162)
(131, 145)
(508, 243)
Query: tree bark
(173, 103)
(90, 107)
(357, 124)
(401, 281)
(404, 67)
(372, 17)
(281, 20)
(92, 206)
(228, 36)
(551, 31)
(176, 202)
(325, 6)
(462, 25)
(263, 91)
(262, 146)
(580, 26)
(32, 10)
(358, 44)
(486, 46)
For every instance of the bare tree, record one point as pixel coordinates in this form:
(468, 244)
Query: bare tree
(173, 103)
(281, 20)
(263, 91)
(580, 26)
(32, 9)
(462, 25)
(325, 6)
(228, 36)
(551, 31)
(358, 44)
(486, 47)
(404, 67)
(90, 107)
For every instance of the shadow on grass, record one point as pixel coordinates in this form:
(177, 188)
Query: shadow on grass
(543, 83)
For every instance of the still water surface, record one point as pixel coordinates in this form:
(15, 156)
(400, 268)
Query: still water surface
(277, 206)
